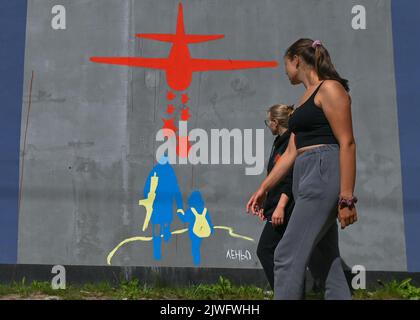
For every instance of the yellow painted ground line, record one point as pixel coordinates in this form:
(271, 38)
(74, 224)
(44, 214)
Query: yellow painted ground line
(180, 231)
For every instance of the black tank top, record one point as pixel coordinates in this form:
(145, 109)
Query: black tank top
(309, 124)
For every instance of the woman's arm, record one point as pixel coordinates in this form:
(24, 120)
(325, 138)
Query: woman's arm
(278, 215)
(280, 169)
(336, 105)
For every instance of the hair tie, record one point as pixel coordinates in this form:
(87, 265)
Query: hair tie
(316, 43)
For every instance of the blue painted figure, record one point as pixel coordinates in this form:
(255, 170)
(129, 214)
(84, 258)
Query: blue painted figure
(199, 223)
(166, 192)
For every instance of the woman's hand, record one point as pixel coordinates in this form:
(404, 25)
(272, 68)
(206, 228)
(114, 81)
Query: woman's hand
(277, 218)
(260, 214)
(255, 203)
(347, 216)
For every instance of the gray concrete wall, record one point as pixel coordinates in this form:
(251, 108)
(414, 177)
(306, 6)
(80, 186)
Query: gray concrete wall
(91, 135)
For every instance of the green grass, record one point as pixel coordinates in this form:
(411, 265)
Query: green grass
(134, 290)
(392, 290)
(221, 290)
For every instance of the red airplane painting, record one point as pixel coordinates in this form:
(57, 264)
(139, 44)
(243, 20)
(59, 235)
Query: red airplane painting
(180, 66)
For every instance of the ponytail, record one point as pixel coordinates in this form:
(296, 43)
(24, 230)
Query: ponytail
(318, 57)
(281, 113)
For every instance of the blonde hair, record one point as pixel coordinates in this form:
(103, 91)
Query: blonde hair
(281, 113)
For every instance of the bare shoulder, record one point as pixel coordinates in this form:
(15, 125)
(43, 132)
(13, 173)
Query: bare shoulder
(332, 87)
(332, 90)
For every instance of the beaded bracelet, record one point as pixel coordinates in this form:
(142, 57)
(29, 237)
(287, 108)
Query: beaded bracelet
(343, 202)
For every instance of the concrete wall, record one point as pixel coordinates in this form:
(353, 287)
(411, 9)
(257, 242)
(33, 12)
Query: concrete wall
(90, 131)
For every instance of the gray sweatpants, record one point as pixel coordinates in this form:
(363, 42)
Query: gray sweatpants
(313, 225)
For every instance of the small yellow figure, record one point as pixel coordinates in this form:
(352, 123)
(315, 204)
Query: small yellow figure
(148, 202)
(201, 226)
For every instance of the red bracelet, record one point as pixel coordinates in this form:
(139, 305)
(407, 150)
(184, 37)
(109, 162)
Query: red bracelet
(343, 202)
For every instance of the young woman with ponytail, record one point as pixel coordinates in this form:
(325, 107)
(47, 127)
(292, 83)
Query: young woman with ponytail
(323, 152)
(279, 203)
